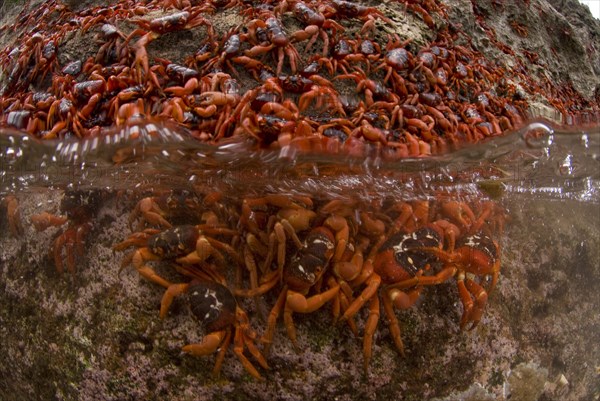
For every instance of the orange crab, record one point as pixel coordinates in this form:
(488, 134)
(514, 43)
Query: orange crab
(176, 205)
(323, 244)
(398, 265)
(11, 204)
(269, 236)
(184, 244)
(153, 29)
(214, 305)
(476, 255)
(79, 207)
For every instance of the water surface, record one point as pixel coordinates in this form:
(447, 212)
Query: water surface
(539, 161)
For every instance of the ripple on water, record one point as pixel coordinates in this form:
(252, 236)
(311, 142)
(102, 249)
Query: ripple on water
(538, 161)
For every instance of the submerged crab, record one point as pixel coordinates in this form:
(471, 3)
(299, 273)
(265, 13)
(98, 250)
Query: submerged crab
(175, 205)
(13, 216)
(185, 244)
(79, 208)
(214, 305)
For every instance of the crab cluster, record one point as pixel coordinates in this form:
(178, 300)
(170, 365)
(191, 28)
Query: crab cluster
(320, 75)
(301, 254)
